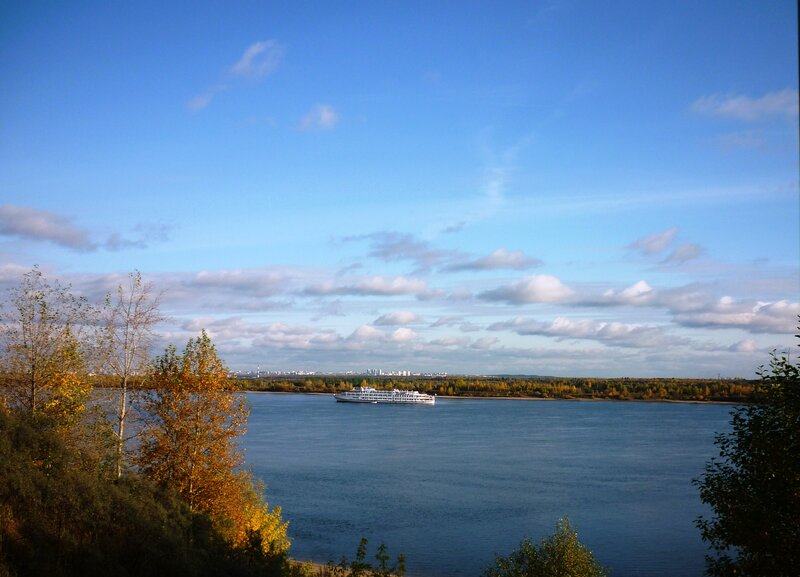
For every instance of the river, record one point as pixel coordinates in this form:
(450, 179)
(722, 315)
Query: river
(454, 484)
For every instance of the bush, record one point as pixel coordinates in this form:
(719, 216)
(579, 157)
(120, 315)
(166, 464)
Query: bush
(559, 555)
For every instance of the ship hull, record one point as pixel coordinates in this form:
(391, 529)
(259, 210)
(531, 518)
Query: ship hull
(367, 402)
(371, 398)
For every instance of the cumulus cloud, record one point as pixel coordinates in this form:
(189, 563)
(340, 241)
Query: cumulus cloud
(397, 318)
(320, 117)
(783, 103)
(760, 317)
(402, 335)
(499, 259)
(695, 306)
(372, 286)
(614, 333)
(654, 243)
(369, 334)
(533, 289)
(639, 293)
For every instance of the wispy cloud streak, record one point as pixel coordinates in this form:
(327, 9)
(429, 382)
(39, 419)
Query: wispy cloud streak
(257, 61)
(783, 103)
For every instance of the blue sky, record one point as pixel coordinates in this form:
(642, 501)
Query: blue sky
(568, 188)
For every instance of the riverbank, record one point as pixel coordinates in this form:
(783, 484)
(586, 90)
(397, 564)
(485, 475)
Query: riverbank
(728, 391)
(495, 398)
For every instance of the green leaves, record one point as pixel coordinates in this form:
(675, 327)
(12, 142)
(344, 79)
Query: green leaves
(754, 485)
(559, 555)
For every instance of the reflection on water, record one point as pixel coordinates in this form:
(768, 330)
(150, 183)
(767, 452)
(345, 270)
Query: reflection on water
(454, 484)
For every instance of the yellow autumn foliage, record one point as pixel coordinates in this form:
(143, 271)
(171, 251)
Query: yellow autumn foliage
(189, 444)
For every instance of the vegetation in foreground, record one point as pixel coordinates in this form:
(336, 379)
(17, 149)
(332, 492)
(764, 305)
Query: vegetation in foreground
(77, 498)
(559, 555)
(754, 485)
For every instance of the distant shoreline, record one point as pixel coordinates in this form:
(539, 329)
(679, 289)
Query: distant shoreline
(496, 398)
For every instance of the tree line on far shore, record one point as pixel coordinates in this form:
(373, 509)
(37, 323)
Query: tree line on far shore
(621, 389)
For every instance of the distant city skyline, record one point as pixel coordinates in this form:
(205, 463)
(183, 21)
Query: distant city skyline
(556, 188)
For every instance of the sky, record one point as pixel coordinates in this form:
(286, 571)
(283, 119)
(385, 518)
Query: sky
(563, 188)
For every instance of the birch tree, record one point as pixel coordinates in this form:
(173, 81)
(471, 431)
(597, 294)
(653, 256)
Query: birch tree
(129, 319)
(44, 369)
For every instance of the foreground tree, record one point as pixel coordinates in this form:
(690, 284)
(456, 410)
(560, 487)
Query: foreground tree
(59, 518)
(44, 368)
(129, 319)
(559, 555)
(754, 487)
(193, 419)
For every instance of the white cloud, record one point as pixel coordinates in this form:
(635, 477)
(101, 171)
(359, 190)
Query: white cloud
(374, 286)
(403, 335)
(499, 259)
(12, 273)
(321, 117)
(654, 243)
(783, 103)
(615, 333)
(202, 100)
(367, 333)
(447, 321)
(636, 291)
(43, 226)
(744, 346)
(695, 306)
(484, 343)
(450, 341)
(257, 283)
(40, 225)
(499, 170)
(258, 59)
(533, 289)
(683, 253)
(395, 246)
(762, 317)
(397, 318)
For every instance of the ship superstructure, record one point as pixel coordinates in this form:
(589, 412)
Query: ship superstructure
(374, 396)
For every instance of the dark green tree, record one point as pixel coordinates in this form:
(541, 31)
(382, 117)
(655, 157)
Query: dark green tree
(754, 487)
(559, 555)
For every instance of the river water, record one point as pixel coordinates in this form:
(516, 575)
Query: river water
(454, 484)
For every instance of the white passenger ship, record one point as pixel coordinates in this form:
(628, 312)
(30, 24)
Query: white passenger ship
(370, 395)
